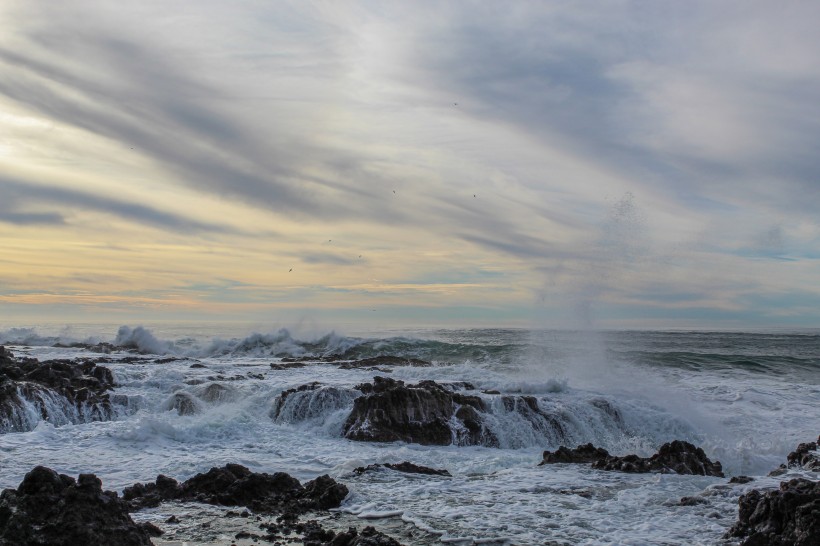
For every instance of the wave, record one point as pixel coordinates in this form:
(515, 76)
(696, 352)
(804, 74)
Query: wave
(25, 405)
(279, 344)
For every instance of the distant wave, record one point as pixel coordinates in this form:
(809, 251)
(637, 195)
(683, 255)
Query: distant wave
(278, 344)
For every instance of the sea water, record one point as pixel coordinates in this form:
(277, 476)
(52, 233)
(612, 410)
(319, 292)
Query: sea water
(746, 398)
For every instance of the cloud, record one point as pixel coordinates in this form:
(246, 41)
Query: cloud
(29, 195)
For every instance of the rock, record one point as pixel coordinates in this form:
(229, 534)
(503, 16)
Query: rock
(215, 393)
(741, 479)
(587, 453)
(384, 360)
(805, 456)
(789, 516)
(673, 457)
(426, 413)
(61, 392)
(310, 401)
(679, 457)
(236, 485)
(692, 501)
(406, 467)
(183, 402)
(54, 509)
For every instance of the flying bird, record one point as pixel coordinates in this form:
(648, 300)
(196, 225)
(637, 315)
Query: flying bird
(289, 270)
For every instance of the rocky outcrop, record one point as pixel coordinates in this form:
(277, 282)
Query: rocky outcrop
(406, 467)
(673, 457)
(426, 413)
(789, 516)
(57, 391)
(54, 509)
(806, 456)
(235, 485)
(587, 453)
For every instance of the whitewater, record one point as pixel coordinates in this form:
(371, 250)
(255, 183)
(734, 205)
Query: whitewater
(192, 397)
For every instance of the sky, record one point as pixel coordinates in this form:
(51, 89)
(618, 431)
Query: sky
(617, 164)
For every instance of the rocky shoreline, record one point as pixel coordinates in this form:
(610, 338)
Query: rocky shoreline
(52, 508)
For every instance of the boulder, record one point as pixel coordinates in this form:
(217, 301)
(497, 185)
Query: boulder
(587, 453)
(789, 516)
(426, 413)
(54, 509)
(673, 457)
(805, 456)
(236, 485)
(406, 467)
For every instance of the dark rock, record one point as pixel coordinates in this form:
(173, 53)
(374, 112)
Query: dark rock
(805, 456)
(384, 360)
(286, 365)
(62, 392)
(197, 365)
(183, 402)
(789, 516)
(235, 485)
(779, 471)
(405, 467)
(692, 501)
(673, 457)
(54, 509)
(587, 453)
(422, 413)
(741, 479)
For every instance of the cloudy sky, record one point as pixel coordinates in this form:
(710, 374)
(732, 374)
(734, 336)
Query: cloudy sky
(630, 164)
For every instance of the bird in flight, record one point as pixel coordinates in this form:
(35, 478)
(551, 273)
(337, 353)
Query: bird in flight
(289, 270)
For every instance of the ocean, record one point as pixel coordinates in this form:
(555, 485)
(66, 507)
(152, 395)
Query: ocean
(747, 399)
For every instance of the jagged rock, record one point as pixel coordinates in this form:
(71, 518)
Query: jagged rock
(587, 453)
(54, 509)
(805, 456)
(62, 392)
(426, 413)
(235, 485)
(678, 456)
(741, 479)
(789, 516)
(406, 467)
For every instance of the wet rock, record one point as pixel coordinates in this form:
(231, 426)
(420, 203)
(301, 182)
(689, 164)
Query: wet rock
(236, 485)
(673, 457)
(215, 393)
(406, 467)
(286, 365)
(54, 509)
(183, 402)
(587, 453)
(692, 501)
(789, 516)
(384, 360)
(741, 479)
(805, 456)
(197, 365)
(426, 413)
(310, 401)
(61, 392)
